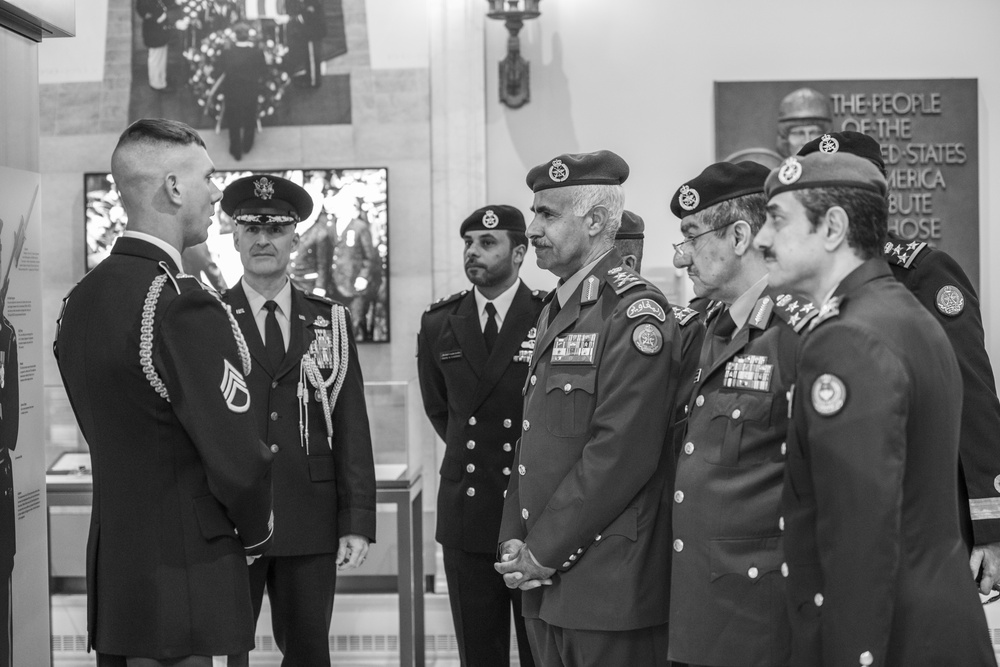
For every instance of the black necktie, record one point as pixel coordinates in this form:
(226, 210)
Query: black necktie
(553, 308)
(273, 341)
(490, 330)
(725, 325)
(722, 328)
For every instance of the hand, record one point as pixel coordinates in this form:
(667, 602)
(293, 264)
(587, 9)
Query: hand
(360, 283)
(985, 558)
(352, 552)
(521, 569)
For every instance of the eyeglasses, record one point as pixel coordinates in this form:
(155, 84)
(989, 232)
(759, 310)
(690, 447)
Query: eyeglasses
(682, 247)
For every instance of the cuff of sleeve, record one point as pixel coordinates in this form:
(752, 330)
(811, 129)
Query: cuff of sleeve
(356, 522)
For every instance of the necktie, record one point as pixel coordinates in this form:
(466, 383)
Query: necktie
(490, 331)
(273, 341)
(725, 325)
(553, 308)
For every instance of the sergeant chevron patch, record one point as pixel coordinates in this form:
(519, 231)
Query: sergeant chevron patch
(234, 388)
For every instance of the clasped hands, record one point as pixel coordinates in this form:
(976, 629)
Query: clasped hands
(519, 567)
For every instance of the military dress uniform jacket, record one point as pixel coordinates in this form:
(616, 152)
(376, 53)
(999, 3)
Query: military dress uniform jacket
(325, 491)
(590, 492)
(474, 401)
(727, 603)
(10, 416)
(692, 329)
(878, 573)
(182, 487)
(942, 287)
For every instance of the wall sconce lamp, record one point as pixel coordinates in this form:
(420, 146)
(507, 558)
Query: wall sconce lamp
(514, 70)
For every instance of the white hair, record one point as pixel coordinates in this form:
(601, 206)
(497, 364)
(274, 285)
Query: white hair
(611, 197)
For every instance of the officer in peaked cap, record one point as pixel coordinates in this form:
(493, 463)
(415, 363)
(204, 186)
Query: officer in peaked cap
(592, 465)
(726, 610)
(943, 288)
(473, 351)
(870, 519)
(308, 384)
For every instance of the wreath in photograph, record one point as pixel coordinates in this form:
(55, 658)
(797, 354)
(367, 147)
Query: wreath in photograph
(204, 58)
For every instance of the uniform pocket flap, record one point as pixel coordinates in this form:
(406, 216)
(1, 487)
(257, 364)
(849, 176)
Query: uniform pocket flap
(321, 468)
(212, 518)
(571, 379)
(626, 525)
(751, 558)
(751, 406)
(451, 469)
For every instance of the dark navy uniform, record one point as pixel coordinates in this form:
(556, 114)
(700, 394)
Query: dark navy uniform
(942, 287)
(692, 330)
(877, 572)
(324, 489)
(182, 483)
(727, 602)
(473, 399)
(590, 492)
(10, 415)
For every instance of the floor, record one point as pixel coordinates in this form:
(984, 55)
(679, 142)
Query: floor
(364, 632)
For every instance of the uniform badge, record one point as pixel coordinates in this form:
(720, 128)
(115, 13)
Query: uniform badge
(490, 219)
(558, 172)
(321, 349)
(263, 189)
(321, 321)
(647, 339)
(646, 307)
(451, 354)
(532, 333)
(575, 348)
(688, 198)
(240, 311)
(950, 300)
(828, 144)
(234, 388)
(784, 300)
(828, 394)
(590, 289)
(748, 372)
(789, 171)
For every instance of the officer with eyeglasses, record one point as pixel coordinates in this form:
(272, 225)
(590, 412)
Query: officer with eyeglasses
(727, 583)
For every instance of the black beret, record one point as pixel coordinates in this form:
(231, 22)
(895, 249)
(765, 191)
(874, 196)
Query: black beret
(825, 170)
(632, 226)
(600, 168)
(492, 218)
(848, 141)
(717, 183)
(266, 200)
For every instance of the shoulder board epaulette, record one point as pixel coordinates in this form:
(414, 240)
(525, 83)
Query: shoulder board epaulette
(796, 311)
(445, 300)
(326, 301)
(623, 279)
(903, 254)
(685, 315)
(829, 311)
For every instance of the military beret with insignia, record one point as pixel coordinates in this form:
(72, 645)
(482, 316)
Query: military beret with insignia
(632, 227)
(825, 170)
(718, 183)
(848, 141)
(600, 168)
(493, 217)
(266, 200)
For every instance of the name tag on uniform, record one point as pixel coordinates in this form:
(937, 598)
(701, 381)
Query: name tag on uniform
(748, 372)
(451, 354)
(576, 348)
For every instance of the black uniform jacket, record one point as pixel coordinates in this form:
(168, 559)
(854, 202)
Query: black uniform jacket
(10, 416)
(474, 401)
(590, 494)
(941, 285)
(878, 573)
(727, 602)
(692, 326)
(329, 491)
(174, 480)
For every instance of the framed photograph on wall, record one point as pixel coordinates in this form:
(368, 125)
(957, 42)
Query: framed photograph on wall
(343, 250)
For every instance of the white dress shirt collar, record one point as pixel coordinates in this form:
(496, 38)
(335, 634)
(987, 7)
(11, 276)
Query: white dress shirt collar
(159, 243)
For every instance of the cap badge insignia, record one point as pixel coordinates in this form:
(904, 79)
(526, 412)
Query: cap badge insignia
(647, 339)
(263, 189)
(321, 322)
(784, 300)
(490, 219)
(888, 248)
(688, 198)
(789, 171)
(828, 144)
(828, 394)
(558, 172)
(950, 300)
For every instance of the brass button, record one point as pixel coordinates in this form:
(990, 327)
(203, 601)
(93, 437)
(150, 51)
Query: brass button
(736, 413)
(689, 448)
(274, 416)
(700, 401)
(520, 469)
(818, 600)
(784, 448)
(784, 569)
(567, 564)
(678, 546)
(274, 449)
(525, 424)
(274, 385)
(533, 380)
(524, 514)
(678, 496)
(753, 572)
(866, 659)
(471, 444)
(572, 557)
(507, 447)
(506, 471)
(470, 492)
(781, 523)
(598, 538)
(470, 468)
(567, 387)
(472, 421)
(507, 423)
